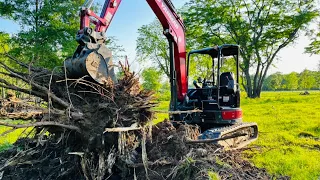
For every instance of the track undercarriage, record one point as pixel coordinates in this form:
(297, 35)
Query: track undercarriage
(233, 136)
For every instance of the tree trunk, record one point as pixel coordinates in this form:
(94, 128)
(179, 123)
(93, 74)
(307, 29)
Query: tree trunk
(257, 92)
(249, 83)
(255, 80)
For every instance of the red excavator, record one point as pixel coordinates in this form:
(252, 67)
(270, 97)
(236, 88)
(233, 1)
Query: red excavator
(213, 104)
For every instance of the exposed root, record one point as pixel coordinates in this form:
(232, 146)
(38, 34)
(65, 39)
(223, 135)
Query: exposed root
(41, 124)
(89, 131)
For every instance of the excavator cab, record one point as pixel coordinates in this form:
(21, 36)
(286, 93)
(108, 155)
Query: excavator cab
(218, 101)
(223, 89)
(218, 97)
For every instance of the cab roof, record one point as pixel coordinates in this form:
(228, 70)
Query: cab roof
(226, 50)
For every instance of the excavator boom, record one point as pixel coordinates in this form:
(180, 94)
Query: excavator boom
(220, 116)
(94, 60)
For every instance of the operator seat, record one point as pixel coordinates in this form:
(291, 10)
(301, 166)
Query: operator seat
(228, 89)
(227, 82)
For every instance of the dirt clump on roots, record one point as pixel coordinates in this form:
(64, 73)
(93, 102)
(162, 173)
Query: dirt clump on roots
(84, 130)
(170, 157)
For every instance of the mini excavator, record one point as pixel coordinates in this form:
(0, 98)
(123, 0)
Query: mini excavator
(213, 105)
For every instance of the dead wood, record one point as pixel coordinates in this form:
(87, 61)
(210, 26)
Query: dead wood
(84, 130)
(121, 129)
(156, 163)
(44, 123)
(76, 113)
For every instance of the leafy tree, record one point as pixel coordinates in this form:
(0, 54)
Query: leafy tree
(291, 81)
(274, 81)
(4, 42)
(164, 92)
(261, 27)
(48, 29)
(4, 38)
(153, 46)
(151, 79)
(316, 76)
(314, 46)
(200, 66)
(306, 80)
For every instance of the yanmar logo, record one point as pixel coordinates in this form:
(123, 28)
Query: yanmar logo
(169, 14)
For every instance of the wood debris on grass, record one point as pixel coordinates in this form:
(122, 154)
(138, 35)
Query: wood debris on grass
(91, 131)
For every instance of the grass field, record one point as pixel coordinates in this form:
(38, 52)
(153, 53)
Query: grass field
(289, 133)
(8, 137)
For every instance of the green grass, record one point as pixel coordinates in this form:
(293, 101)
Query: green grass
(163, 106)
(289, 132)
(7, 139)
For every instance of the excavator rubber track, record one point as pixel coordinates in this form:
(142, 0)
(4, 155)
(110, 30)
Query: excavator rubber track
(248, 132)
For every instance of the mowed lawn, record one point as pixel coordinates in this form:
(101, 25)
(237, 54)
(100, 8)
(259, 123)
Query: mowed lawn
(289, 132)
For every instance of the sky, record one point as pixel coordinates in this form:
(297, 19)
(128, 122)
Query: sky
(132, 14)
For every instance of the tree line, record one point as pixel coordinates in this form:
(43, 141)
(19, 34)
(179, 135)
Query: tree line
(306, 80)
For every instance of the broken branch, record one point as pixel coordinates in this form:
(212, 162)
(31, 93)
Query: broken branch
(37, 124)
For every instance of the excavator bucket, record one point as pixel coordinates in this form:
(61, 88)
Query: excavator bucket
(92, 62)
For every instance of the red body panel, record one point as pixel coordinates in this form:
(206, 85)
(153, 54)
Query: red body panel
(103, 21)
(172, 25)
(233, 114)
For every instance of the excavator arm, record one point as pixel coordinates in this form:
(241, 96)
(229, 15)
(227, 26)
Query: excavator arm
(94, 59)
(87, 37)
(101, 22)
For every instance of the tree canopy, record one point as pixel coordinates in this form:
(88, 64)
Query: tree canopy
(314, 46)
(262, 28)
(151, 79)
(153, 46)
(48, 30)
